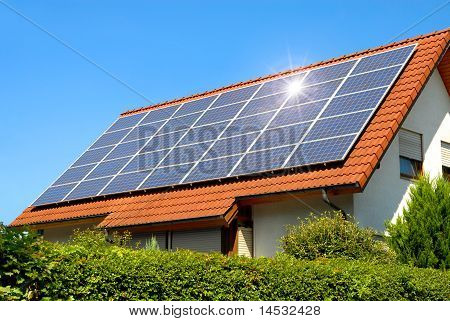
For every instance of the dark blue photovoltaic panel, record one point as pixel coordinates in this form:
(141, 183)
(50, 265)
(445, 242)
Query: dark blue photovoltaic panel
(144, 131)
(297, 114)
(74, 174)
(278, 85)
(126, 122)
(322, 151)
(314, 92)
(166, 176)
(243, 131)
(126, 149)
(93, 156)
(231, 146)
(220, 114)
(54, 194)
(159, 114)
(125, 182)
(110, 138)
(203, 134)
(368, 81)
(264, 104)
(145, 161)
(386, 59)
(339, 125)
(214, 168)
(185, 154)
(248, 124)
(265, 160)
(195, 106)
(328, 73)
(179, 123)
(163, 141)
(354, 102)
(108, 168)
(235, 96)
(281, 136)
(88, 188)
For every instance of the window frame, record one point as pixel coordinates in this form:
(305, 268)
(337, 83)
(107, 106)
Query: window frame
(445, 169)
(446, 172)
(417, 164)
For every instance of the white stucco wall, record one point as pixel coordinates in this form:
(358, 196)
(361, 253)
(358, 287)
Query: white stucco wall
(270, 219)
(386, 193)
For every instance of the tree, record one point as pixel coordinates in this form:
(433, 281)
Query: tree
(421, 236)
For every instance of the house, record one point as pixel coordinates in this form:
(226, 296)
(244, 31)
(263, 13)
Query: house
(408, 131)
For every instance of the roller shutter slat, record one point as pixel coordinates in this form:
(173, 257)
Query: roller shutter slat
(445, 152)
(208, 240)
(245, 241)
(410, 144)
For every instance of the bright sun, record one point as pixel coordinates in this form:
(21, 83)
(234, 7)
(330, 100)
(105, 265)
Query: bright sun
(294, 88)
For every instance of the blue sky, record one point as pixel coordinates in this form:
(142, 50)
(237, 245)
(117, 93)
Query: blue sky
(54, 103)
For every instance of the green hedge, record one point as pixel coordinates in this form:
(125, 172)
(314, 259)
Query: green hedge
(87, 270)
(91, 269)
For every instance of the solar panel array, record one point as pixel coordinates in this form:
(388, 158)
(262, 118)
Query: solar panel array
(249, 130)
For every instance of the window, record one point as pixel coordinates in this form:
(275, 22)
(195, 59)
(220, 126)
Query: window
(445, 154)
(410, 154)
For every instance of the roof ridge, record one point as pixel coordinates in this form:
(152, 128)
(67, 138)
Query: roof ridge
(280, 74)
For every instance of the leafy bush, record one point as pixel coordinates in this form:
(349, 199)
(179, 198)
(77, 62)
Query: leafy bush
(23, 264)
(331, 236)
(421, 236)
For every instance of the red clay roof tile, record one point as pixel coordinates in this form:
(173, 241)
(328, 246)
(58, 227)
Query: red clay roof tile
(215, 199)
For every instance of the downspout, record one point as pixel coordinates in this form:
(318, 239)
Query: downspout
(332, 205)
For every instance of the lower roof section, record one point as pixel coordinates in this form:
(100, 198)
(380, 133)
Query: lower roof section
(188, 203)
(217, 199)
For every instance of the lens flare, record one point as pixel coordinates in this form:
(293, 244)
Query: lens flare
(294, 88)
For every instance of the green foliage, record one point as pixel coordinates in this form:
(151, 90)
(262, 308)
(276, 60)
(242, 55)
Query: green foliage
(330, 236)
(421, 236)
(90, 268)
(152, 244)
(24, 265)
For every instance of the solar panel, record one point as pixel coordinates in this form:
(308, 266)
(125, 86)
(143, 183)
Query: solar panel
(245, 131)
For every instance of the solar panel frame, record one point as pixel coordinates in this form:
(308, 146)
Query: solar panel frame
(413, 46)
(181, 138)
(145, 115)
(108, 130)
(221, 134)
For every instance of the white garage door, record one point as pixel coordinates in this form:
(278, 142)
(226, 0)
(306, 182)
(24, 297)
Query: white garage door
(208, 240)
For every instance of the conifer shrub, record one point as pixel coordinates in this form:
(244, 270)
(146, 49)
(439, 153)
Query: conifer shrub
(421, 235)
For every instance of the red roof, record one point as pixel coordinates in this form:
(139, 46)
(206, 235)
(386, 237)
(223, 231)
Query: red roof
(216, 199)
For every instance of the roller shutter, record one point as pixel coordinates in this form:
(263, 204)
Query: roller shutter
(410, 144)
(445, 152)
(245, 241)
(207, 240)
(141, 239)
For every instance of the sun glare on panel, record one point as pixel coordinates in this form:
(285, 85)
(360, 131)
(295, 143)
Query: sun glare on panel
(295, 87)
